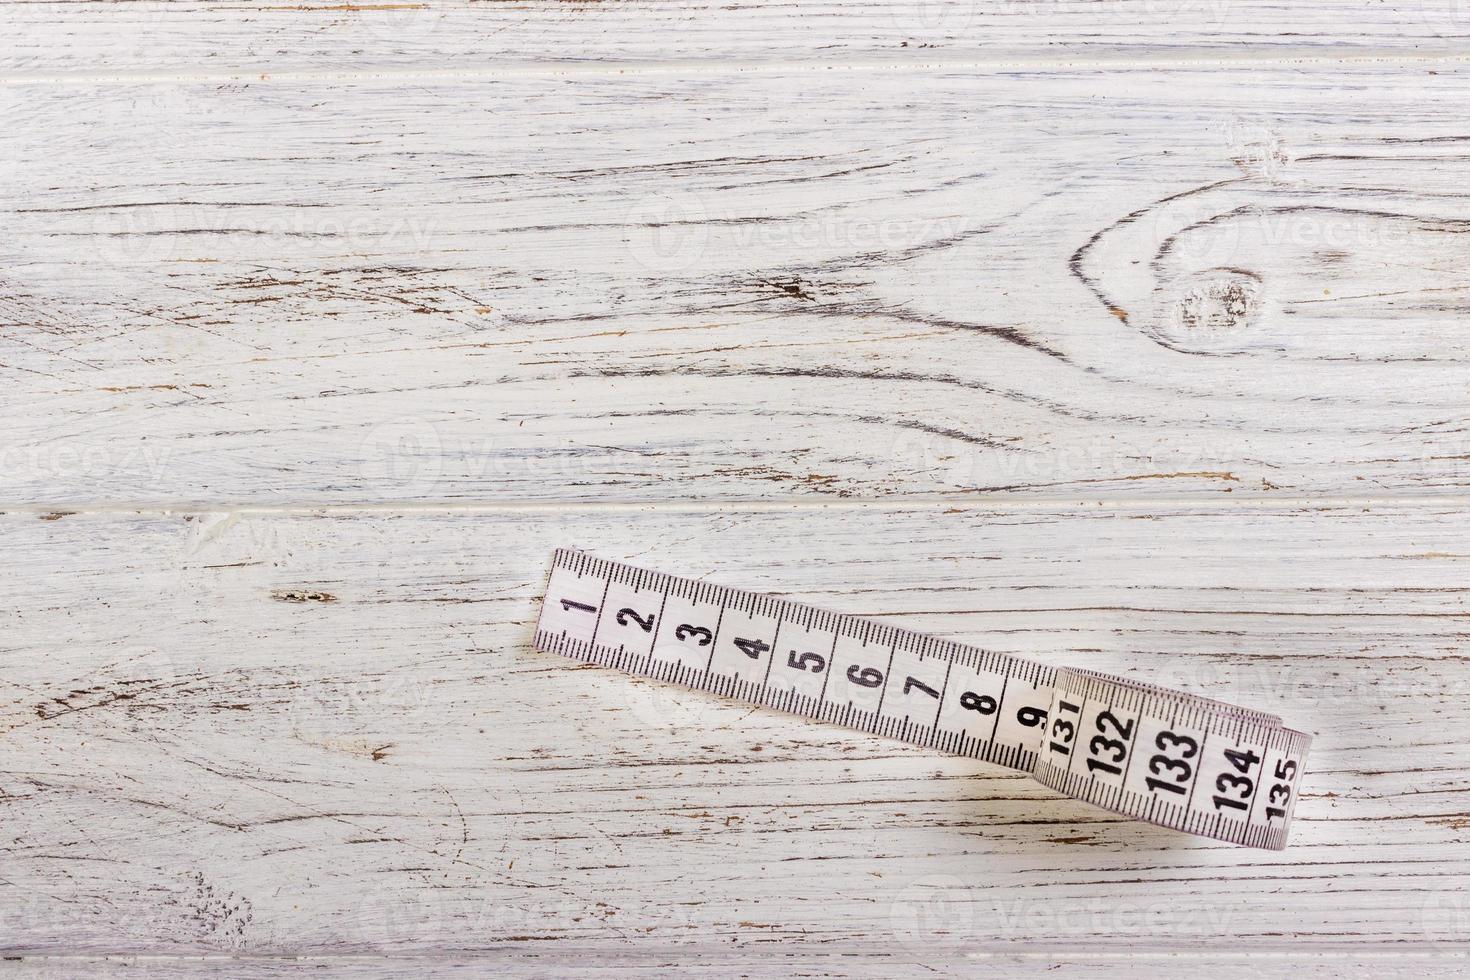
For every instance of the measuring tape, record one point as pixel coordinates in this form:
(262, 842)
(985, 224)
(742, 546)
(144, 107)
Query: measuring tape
(1162, 756)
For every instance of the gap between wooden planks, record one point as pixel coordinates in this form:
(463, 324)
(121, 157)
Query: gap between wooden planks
(145, 772)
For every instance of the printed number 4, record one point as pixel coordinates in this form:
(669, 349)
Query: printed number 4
(752, 648)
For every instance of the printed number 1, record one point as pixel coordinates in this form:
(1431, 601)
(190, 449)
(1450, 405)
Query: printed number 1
(568, 605)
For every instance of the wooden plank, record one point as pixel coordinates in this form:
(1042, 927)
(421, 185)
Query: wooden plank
(1184, 282)
(1417, 964)
(254, 36)
(272, 733)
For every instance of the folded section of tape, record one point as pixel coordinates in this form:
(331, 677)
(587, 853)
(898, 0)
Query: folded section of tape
(1151, 753)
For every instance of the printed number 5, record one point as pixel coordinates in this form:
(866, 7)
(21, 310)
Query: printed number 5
(814, 662)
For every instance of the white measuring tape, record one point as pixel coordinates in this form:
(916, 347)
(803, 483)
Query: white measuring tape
(1157, 755)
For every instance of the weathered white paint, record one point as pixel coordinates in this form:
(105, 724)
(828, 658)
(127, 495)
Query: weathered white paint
(1124, 335)
(785, 960)
(250, 37)
(1062, 281)
(274, 733)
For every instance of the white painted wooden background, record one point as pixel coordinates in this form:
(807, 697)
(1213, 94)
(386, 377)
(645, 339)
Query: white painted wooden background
(1125, 335)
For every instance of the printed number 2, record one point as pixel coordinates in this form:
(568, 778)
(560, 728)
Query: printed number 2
(645, 624)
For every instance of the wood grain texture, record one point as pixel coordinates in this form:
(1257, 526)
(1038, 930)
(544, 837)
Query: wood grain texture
(249, 37)
(620, 961)
(1120, 283)
(262, 733)
(1123, 335)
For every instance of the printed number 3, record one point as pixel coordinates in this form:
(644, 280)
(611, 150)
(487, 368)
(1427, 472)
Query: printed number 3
(685, 631)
